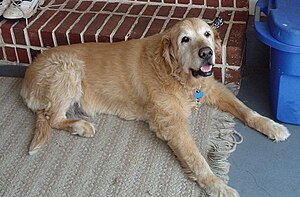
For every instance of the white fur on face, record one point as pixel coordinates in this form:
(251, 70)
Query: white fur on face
(188, 52)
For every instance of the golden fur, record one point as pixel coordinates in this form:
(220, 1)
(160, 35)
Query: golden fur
(148, 79)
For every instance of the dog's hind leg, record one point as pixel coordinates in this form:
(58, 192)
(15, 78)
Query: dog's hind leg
(56, 118)
(74, 126)
(62, 79)
(64, 91)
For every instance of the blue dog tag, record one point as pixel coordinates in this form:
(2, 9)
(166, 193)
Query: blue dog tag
(198, 94)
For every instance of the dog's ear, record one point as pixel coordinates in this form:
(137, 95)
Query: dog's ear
(168, 51)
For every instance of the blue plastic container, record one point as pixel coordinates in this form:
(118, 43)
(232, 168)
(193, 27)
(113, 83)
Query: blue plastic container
(282, 33)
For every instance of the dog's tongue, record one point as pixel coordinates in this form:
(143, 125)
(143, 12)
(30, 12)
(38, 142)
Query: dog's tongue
(204, 71)
(206, 68)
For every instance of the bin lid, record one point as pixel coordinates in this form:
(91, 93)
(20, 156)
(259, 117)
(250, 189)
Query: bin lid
(284, 21)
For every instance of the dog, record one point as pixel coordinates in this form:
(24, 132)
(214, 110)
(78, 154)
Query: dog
(157, 79)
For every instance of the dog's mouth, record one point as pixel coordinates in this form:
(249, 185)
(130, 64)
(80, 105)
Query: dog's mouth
(204, 71)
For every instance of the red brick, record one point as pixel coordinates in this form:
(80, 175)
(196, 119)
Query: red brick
(33, 28)
(212, 3)
(237, 35)
(241, 16)
(164, 11)
(89, 35)
(235, 45)
(1, 54)
(218, 73)
(242, 3)
(18, 29)
(84, 5)
(42, 19)
(184, 1)
(60, 32)
(232, 76)
(108, 28)
(34, 38)
(5, 31)
(98, 6)
(136, 9)
(109, 7)
(46, 32)
(58, 2)
(194, 12)
(139, 28)
(124, 28)
(150, 10)
(123, 8)
(226, 15)
(155, 1)
(74, 34)
(179, 12)
(155, 27)
(23, 56)
(10, 54)
(209, 14)
(198, 2)
(47, 39)
(71, 4)
(234, 55)
(222, 31)
(171, 23)
(227, 3)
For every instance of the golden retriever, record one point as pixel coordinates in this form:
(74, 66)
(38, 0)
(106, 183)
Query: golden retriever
(154, 79)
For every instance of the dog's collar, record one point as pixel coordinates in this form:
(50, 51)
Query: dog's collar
(198, 94)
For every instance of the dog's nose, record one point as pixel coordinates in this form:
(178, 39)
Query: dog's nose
(205, 53)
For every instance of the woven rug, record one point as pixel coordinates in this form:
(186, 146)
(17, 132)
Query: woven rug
(123, 159)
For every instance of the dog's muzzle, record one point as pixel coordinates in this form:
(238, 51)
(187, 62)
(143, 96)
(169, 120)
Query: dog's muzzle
(206, 69)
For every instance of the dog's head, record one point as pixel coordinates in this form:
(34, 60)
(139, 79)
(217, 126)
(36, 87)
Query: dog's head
(190, 47)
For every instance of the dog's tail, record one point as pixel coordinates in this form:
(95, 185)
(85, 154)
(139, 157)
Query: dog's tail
(41, 133)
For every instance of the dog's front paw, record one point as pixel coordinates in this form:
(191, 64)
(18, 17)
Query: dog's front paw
(215, 187)
(222, 190)
(278, 132)
(268, 127)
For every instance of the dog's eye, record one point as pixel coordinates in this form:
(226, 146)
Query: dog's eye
(185, 39)
(207, 34)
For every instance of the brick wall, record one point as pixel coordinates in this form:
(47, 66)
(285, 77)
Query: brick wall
(61, 22)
